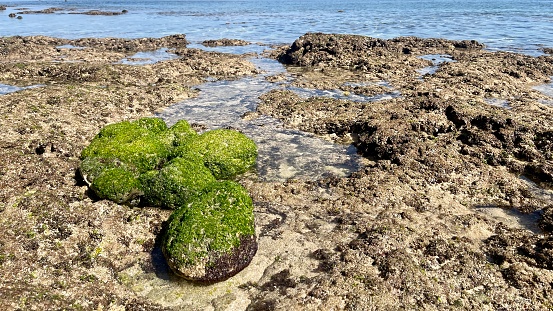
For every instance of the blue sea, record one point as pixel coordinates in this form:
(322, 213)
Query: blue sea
(514, 25)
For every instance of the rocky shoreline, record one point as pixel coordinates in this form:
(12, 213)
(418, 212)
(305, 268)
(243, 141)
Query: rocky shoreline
(433, 221)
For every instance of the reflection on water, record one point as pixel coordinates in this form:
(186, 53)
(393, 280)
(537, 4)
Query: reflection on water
(502, 103)
(149, 57)
(339, 94)
(6, 89)
(437, 60)
(547, 90)
(283, 153)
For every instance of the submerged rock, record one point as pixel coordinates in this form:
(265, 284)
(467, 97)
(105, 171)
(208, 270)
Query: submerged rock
(225, 42)
(212, 236)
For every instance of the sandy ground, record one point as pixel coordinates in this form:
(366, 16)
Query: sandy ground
(453, 209)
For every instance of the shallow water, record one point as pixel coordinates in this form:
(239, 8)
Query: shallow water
(436, 60)
(6, 89)
(146, 58)
(502, 103)
(547, 90)
(283, 153)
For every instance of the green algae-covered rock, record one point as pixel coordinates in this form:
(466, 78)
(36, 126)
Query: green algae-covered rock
(91, 167)
(130, 143)
(178, 134)
(154, 125)
(212, 236)
(226, 153)
(171, 186)
(117, 184)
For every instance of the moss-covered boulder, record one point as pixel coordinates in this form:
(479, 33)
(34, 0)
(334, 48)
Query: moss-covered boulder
(212, 236)
(92, 167)
(135, 148)
(179, 179)
(129, 143)
(227, 153)
(117, 184)
(177, 135)
(211, 233)
(154, 125)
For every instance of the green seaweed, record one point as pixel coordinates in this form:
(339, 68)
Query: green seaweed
(91, 167)
(209, 224)
(227, 153)
(178, 134)
(130, 143)
(154, 125)
(143, 160)
(117, 184)
(180, 178)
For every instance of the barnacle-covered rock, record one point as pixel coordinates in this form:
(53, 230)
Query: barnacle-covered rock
(212, 236)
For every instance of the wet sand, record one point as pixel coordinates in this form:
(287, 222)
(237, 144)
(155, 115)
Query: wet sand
(452, 210)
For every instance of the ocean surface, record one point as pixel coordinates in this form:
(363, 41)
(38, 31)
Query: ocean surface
(514, 25)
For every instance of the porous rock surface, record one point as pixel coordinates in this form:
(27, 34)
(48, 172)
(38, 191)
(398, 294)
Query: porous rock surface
(451, 211)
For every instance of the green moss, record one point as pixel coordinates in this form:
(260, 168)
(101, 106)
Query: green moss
(143, 160)
(226, 153)
(91, 167)
(178, 134)
(130, 144)
(124, 129)
(171, 186)
(117, 184)
(210, 223)
(154, 125)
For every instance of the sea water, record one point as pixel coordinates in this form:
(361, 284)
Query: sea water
(514, 25)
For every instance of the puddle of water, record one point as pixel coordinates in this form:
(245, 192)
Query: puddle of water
(70, 47)
(502, 103)
(238, 49)
(6, 89)
(148, 58)
(537, 191)
(515, 219)
(437, 60)
(339, 94)
(547, 90)
(283, 153)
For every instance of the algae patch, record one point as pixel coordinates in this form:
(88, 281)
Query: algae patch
(211, 234)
